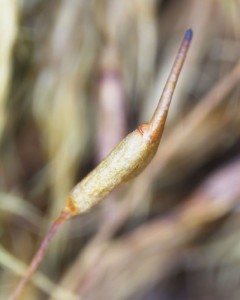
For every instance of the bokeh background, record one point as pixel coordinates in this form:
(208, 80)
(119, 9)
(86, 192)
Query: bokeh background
(75, 77)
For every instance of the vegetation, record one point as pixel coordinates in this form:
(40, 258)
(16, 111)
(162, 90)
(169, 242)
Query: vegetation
(78, 76)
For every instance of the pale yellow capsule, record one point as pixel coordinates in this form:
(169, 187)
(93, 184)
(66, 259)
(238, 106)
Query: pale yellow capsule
(124, 162)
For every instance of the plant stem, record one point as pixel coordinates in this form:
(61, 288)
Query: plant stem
(64, 215)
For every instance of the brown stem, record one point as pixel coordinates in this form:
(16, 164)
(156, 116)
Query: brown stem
(64, 215)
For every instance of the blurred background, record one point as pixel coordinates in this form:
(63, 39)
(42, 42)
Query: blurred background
(75, 77)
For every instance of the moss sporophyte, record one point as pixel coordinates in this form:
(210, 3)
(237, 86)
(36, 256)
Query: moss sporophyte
(125, 162)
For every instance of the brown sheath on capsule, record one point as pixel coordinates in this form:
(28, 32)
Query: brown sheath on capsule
(125, 162)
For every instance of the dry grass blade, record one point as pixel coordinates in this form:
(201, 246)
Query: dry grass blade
(59, 106)
(8, 31)
(10, 263)
(14, 205)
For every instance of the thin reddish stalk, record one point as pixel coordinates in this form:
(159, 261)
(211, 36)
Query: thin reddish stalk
(64, 215)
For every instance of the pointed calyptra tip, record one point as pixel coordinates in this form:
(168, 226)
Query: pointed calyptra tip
(188, 35)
